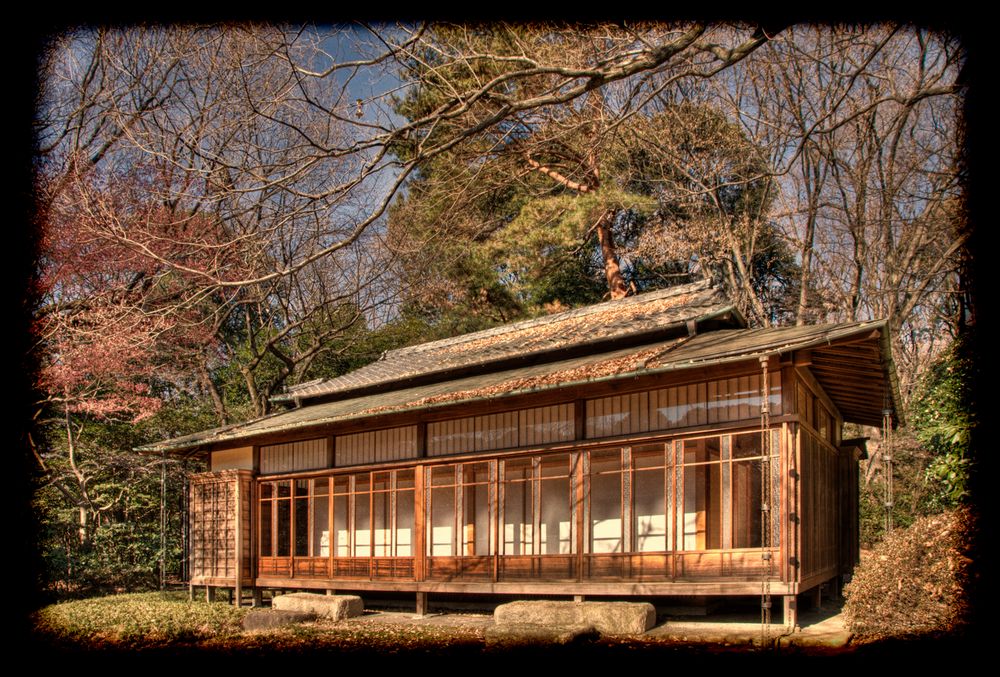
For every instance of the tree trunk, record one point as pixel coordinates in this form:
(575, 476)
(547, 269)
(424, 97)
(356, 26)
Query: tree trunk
(206, 383)
(612, 271)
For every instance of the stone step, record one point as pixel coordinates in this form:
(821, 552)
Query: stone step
(334, 607)
(607, 618)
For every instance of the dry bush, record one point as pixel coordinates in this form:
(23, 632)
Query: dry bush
(913, 583)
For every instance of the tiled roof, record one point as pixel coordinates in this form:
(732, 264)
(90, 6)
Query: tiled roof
(859, 383)
(649, 316)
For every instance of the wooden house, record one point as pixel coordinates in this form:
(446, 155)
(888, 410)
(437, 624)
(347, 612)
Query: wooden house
(642, 447)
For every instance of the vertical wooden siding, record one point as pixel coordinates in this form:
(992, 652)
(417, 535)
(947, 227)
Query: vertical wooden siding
(376, 446)
(294, 456)
(523, 428)
(724, 400)
(820, 505)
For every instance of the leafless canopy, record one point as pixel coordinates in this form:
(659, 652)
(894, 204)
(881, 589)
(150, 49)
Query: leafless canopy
(260, 161)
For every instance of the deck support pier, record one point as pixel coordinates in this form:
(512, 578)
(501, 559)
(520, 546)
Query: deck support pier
(258, 598)
(817, 596)
(421, 603)
(579, 598)
(790, 612)
(209, 594)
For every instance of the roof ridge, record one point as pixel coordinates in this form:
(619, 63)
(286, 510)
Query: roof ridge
(573, 313)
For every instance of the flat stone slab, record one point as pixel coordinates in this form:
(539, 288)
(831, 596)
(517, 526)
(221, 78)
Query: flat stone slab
(523, 634)
(334, 607)
(608, 618)
(274, 618)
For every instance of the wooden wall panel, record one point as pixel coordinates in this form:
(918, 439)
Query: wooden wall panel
(376, 446)
(522, 428)
(220, 525)
(232, 459)
(719, 401)
(293, 456)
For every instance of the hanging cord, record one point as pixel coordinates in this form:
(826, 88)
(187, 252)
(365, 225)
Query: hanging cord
(887, 457)
(765, 505)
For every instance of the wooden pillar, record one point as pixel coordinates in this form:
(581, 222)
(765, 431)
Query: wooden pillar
(579, 598)
(190, 591)
(790, 613)
(817, 596)
(421, 603)
(330, 593)
(209, 593)
(236, 593)
(258, 598)
(419, 524)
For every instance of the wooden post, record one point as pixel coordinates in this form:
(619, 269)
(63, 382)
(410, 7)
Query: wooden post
(419, 524)
(330, 593)
(209, 594)
(258, 598)
(190, 591)
(578, 598)
(237, 592)
(790, 613)
(421, 603)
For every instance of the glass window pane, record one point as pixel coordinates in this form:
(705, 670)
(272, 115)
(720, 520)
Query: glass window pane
(404, 479)
(555, 467)
(746, 504)
(517, 470)
(476, 514)
(321, 525)
(443, 475)
(476, 473)
(556, 522)
(702, 451)
(702, 507)
(381, 482)
(265, 529)
(284, 510)
(518, 510)
(362, 525)
(644, 457)
(404, 523)
(605, 461)
(301, 527)
(382, 505)
(341, 484)
(649, 518)
(606, 532)
(442, 536)
(341, 526)
(746, 446)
